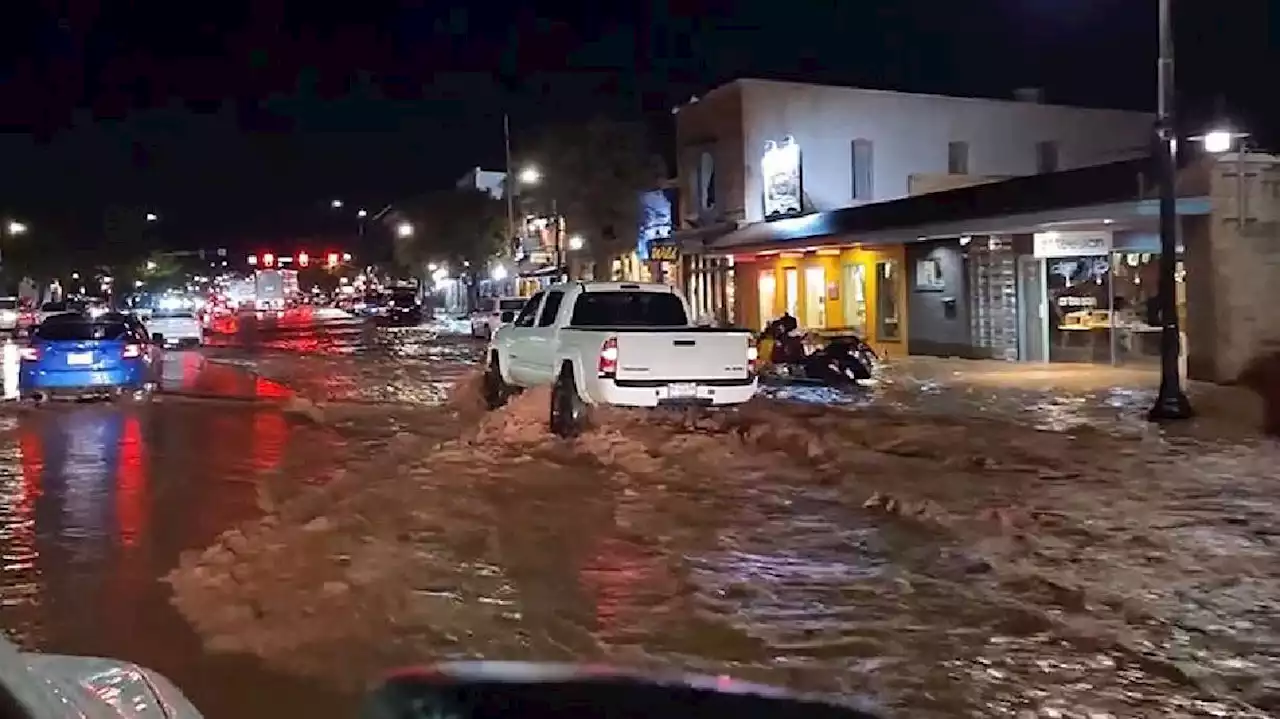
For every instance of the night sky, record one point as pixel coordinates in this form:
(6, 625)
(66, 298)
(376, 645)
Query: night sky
(234, 119)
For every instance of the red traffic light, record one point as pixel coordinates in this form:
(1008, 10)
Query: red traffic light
(303, 259)
(268, 259)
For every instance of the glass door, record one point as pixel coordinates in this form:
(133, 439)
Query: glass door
(855, 298)
(791, 278)
(767, 291)
(815, 297)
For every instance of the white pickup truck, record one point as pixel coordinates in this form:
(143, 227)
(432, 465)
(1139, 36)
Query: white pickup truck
(617, 343)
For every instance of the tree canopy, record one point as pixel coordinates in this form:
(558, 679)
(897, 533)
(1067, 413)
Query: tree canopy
(595, 172)
(453, 226)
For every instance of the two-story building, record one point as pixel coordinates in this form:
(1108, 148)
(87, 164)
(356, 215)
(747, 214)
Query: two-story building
(760, 151)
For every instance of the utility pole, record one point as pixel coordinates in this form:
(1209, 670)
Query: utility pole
(509, 182)
(1171, 402)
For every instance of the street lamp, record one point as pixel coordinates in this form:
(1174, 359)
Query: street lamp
(152, 217)
(151, 265)
(404, 229)
(362, 213)
(576, 242)
(1171, 402)
(336, 204)
(498, 273)
(530, 176)
(16, 228)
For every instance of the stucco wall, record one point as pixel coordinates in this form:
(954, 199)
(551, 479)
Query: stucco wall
(910, 134)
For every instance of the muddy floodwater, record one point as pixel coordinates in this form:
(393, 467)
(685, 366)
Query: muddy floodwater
(949, 547)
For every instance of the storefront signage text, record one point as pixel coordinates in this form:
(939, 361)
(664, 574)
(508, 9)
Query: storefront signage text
(1071, 244)
(780, 171)
(663, 253)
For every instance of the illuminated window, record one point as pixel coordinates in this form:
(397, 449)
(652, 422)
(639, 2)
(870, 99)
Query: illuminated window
(815, 297)
(855, 298)
(791, 281)
(767, 286)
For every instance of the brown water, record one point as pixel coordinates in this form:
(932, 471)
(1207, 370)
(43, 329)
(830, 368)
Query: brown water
(648, 544)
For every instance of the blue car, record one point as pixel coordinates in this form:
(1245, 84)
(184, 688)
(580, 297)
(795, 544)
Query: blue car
(77, 355)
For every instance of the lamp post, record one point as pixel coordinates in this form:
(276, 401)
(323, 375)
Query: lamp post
(1171, 402)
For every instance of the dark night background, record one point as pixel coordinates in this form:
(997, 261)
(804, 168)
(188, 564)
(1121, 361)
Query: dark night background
(238, 119)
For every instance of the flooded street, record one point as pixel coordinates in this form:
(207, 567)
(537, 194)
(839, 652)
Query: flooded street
(952, 542)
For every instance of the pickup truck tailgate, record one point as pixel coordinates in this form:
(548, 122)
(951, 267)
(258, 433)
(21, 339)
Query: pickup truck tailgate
(682, 356)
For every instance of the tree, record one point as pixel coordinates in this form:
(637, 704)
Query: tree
(458, 227)
(594, 173)
(461, 228)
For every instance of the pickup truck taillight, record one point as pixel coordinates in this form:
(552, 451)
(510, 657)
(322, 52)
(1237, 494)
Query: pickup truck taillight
(753, 355)
(608, 363)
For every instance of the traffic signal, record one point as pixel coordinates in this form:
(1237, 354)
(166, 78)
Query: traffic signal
(303, 259)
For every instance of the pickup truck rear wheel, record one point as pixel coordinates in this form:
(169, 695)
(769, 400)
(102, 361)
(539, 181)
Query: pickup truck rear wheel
(496, 390)
(568, 411)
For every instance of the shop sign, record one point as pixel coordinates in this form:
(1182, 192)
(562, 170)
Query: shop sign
(780, 170)
(1071, 244)
(663, 253)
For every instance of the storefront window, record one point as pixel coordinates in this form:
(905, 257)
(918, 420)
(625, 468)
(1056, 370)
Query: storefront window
(855, 298)
(767, 289)
(1080, 292)
(1135, 313)
(888, 321)
(815, 297)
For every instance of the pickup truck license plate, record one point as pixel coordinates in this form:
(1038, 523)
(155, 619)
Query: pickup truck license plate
(80, 358)
(682, 390)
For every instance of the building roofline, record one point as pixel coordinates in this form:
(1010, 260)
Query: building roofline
(746, 81)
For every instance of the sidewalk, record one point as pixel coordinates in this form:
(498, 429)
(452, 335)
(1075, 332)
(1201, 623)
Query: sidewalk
(1059, 396)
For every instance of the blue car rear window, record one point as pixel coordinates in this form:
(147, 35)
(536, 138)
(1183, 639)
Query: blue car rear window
(81, 331)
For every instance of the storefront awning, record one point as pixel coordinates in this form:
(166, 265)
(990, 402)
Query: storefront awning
(1120, 194)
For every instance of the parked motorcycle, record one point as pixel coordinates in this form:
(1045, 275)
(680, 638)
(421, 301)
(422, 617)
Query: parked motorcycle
(842, 361)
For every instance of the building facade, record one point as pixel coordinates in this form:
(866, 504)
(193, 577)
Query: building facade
(758, 151)
(490, 181)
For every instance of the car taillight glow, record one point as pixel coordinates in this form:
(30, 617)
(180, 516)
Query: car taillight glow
(132, 351)
(29, 354)
(753, 355)
(608, 364)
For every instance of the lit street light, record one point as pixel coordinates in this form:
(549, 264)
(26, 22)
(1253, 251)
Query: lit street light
(151, 265)
(576, 242)
(530, 176)
(16, 228)
(498, 273)
(336, 204)
(1171, 402)
(363, 213)
(1218, 141)
(404, 229)
(152, 217)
